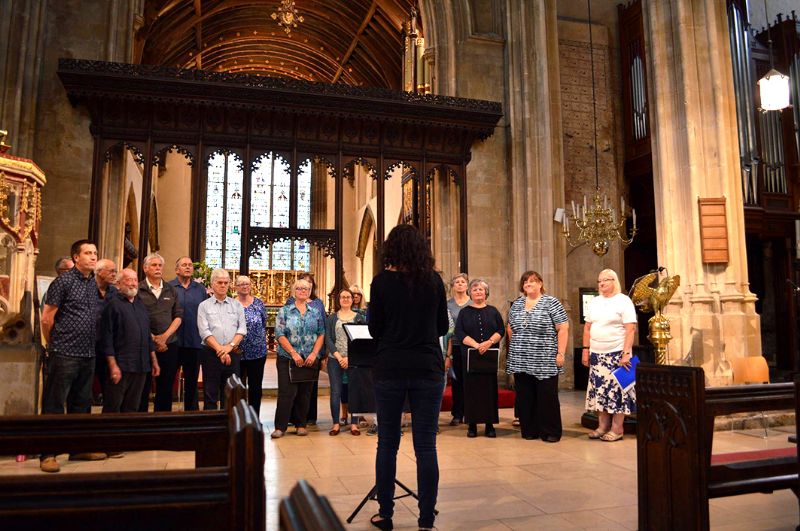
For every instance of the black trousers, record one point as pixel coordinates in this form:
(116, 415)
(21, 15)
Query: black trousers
(538, 406)
(215, 375)
(125, 395)
(165, 381)
(457, 387)
(291, 396)
(252, 377)
(311, 413)
(189, 359)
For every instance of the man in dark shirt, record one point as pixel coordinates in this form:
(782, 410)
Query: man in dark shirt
(69, 327)
(127, 347)
(161, 301)
(190, 347)
(105, 274)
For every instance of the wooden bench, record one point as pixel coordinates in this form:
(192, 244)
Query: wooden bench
(305, 510)
(675, 428)
(219, 497)
(204, 432)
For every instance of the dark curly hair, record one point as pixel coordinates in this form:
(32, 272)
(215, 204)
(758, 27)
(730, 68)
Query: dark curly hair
(408, 251)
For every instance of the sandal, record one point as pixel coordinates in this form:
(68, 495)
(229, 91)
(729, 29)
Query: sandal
(515, 423)
(611, 437)
(381, 523)
(334, 431)
(355, 431)
(597, 434)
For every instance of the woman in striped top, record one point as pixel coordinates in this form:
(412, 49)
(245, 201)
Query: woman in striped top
(538, 329)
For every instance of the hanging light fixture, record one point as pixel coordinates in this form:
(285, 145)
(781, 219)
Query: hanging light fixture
(597, 223)
(774, 86)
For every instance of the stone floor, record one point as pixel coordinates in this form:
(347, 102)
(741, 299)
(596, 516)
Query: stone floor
(503, 483)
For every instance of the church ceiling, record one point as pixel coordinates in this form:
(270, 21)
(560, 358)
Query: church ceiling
(356, 42)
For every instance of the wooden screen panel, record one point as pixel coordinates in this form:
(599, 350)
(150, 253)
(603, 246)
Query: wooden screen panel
(713, 230)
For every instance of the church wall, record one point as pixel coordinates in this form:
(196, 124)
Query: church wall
(36, 111)
(173, 192)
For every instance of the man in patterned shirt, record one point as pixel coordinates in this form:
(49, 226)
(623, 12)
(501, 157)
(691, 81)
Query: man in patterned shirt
(69, 326)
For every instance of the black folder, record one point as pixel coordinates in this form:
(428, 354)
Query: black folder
(485, 363)
(360, 345)
(304, 374)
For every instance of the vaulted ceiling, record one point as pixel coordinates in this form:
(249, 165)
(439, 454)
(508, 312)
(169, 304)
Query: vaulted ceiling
(357, 42)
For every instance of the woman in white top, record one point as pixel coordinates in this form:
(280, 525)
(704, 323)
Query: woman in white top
(607, 342)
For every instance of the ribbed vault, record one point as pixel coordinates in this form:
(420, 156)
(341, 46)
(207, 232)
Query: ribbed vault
(357, 42)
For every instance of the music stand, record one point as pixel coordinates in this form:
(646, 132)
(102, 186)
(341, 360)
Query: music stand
(361, 354)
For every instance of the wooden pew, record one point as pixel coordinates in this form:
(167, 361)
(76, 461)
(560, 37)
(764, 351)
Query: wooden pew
(217, 497)
(305, 510)
(204, 432)
(675, 428)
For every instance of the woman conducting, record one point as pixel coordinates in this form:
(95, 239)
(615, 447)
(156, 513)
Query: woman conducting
(253, 348)
(300, 332)
(408, 314)
(479, 327)
(608, 339)
(336, 343)
(538, 331)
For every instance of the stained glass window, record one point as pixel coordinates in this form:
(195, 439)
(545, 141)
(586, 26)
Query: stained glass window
(261, 260)
(302, 255)
(261, 191)
(282, 255)
(224, 211)
(304, 196)
(280, 197)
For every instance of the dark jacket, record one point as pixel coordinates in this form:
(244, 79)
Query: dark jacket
(162, 311)
(330, 330)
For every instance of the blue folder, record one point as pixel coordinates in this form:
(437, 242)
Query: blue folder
(626, 378)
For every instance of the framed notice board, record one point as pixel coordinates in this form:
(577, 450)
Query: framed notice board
(713, 230)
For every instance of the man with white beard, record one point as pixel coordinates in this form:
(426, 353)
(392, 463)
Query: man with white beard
(128, 347)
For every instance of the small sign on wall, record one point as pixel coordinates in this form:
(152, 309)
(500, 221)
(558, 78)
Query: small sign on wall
(713, 230)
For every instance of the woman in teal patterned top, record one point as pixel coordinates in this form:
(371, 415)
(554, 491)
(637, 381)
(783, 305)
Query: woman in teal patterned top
(300, 332)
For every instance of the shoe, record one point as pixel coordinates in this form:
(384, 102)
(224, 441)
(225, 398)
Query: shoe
(49, 464)
(381, 523)
(455, 422)
(597, 434)
(530, 437)
(363, 423)
(515, 423)
(334, 431)
(611, 437)
(355, 431)
(277, 434)
(490, 432)
(302, 432)
(472, 431)
(116, 455)
(373, 430)
(88, 456)
(551, 439)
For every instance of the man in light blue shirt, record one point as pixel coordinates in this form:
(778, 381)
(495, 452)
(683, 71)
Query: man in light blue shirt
(221, 325)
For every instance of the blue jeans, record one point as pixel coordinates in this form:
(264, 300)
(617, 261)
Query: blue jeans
(69, 379)
(424, 398)
(335, 374)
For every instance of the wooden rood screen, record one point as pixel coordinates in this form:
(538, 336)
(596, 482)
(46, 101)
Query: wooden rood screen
(154, 110)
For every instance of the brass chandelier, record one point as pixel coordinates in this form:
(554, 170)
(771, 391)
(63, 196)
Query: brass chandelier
(597, 222)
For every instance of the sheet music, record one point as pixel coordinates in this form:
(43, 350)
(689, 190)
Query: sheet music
(357, 331)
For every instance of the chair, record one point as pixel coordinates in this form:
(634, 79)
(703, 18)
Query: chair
(751, 370)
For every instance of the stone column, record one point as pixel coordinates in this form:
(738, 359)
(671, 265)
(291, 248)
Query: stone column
(695, 154)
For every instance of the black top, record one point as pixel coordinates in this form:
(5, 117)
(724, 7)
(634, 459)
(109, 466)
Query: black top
(407, 321)
(479, 324)
(162, 311)
(126, 333)
(75, 327)
(102, 302)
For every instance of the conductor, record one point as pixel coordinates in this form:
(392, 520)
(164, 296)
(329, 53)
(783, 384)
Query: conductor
(408, 314)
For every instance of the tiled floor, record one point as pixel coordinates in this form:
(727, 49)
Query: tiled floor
(503, 483)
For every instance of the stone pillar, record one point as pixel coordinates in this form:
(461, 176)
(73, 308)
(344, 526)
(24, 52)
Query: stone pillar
(695, 154)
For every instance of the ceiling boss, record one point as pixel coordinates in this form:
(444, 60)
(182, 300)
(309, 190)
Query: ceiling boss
(287, 16)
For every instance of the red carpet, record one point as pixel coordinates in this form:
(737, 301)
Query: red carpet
(505, 398)
(735, 457)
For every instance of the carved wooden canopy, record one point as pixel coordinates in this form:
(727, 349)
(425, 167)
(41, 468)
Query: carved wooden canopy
(150, 110)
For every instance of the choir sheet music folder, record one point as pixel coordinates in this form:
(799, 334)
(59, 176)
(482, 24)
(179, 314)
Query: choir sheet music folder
(482, 364)
(360, 345)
